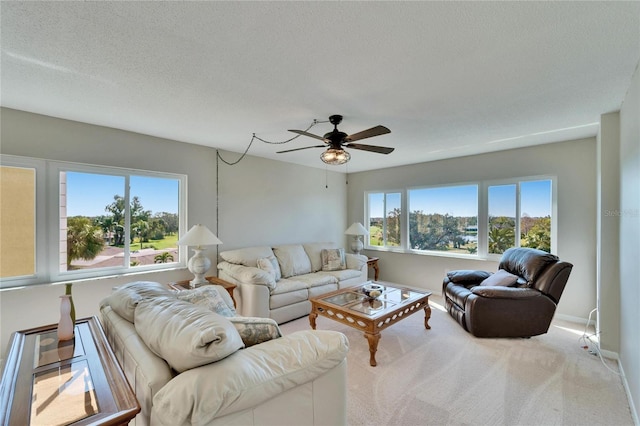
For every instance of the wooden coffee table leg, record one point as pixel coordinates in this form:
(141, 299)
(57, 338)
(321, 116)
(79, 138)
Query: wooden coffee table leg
(312, 320)
(373, 347)
(427, 315)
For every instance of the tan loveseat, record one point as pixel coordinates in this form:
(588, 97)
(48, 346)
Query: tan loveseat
(277, 282)
(188, 364)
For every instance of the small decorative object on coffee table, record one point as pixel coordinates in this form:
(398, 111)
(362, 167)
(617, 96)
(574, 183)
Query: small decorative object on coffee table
(351, 306)
(185, 285)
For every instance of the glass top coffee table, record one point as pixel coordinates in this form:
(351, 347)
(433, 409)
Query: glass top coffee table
(352, 307)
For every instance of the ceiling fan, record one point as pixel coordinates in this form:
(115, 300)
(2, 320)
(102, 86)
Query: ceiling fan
(335, 142)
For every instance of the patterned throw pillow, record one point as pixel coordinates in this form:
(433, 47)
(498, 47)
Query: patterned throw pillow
(333, 259)
(208, 296)
(270, 264)
(254, 330)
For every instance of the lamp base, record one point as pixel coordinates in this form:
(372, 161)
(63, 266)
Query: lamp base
(356, 244)
(199, 264)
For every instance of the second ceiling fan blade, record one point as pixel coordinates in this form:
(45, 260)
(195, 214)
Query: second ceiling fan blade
(374, 131)
(311, 135)
(371, 148)
(298, 149)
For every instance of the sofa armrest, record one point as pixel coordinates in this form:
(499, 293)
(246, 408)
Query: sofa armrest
(467, 277)
(500, 292)
(356, 261)
(241, 274)
(248, 378)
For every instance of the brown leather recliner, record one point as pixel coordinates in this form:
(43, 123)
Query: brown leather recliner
(517, 301)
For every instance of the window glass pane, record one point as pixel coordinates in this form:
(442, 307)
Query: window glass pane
(393, 214)
(535, 217)
(502, 218)
(376, 219)
(92, 218)
(154, 220)
(444, 219)
(17, 221)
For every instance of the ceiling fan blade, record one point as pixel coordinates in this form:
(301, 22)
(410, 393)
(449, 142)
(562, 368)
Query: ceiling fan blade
(374, 131)
(311, 135)
(298, 149)
(371, 148)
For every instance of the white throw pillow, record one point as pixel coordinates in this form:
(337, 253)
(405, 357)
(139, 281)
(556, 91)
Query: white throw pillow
(270, 264)
(333, 260)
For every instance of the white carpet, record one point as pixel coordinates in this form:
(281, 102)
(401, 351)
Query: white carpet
(445, 376)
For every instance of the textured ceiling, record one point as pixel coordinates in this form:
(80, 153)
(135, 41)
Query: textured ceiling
(448, 78)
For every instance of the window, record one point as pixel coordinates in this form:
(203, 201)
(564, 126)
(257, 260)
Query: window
(444, 219)
(385, 215)
(481, 219)
(101, 221)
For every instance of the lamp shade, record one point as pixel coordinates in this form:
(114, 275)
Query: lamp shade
(356, 229)
(199, 235)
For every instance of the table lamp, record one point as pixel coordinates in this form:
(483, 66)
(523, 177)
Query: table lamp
(198, 237)
(356, 229)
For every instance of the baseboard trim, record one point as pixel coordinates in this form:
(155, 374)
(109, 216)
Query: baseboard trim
(571, 318)
(632, 407)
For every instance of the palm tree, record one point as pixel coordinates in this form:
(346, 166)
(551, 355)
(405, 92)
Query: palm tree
(164, 257)
(84, 240)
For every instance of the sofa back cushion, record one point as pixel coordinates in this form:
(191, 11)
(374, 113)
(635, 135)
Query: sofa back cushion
(183, 334)
(314, 251)
(246, 256)
(293, 260)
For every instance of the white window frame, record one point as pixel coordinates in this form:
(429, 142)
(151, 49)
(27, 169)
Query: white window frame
(483, 216)
(48, 221)
(403, 224)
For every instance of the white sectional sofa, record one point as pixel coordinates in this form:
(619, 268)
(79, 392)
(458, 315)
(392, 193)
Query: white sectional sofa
(187, 364)
(277, 282)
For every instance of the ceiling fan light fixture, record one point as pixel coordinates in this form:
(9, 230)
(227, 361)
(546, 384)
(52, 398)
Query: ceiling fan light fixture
(335, 157)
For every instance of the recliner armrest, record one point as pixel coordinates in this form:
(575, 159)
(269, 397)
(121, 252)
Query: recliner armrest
(499, 292)
(466, 276)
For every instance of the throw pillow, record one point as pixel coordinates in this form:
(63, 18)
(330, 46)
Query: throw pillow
(333, 259)
(125, 298)
(254, 330)
(270, 264)
(209, 297)
(183, 334)
(500, 278)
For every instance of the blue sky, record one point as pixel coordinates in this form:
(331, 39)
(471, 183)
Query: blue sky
(88, 194)
(463, 200)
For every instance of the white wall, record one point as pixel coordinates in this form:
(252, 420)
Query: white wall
(573, 162)
(261, 201)
(630, 240)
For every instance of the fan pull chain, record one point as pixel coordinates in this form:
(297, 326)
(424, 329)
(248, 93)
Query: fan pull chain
(326, 176)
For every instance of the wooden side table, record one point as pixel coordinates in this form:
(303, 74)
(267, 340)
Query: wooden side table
(184, 285)
(77, 381)
(373, 262)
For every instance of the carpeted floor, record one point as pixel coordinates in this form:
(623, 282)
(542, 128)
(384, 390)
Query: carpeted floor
(445, 376)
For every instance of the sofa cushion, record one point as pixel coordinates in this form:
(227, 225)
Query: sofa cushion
(333, 259)
(293, 260)
(254, 330)
(314, 251)
(125, 298)
(316, 279)
(287, 285)
(270, 264)
(500, 278)
(246, 256)
(342, 275)
(209, 297)
(183, 334)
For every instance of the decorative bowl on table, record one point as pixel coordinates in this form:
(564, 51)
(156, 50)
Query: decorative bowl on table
(372, 291)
